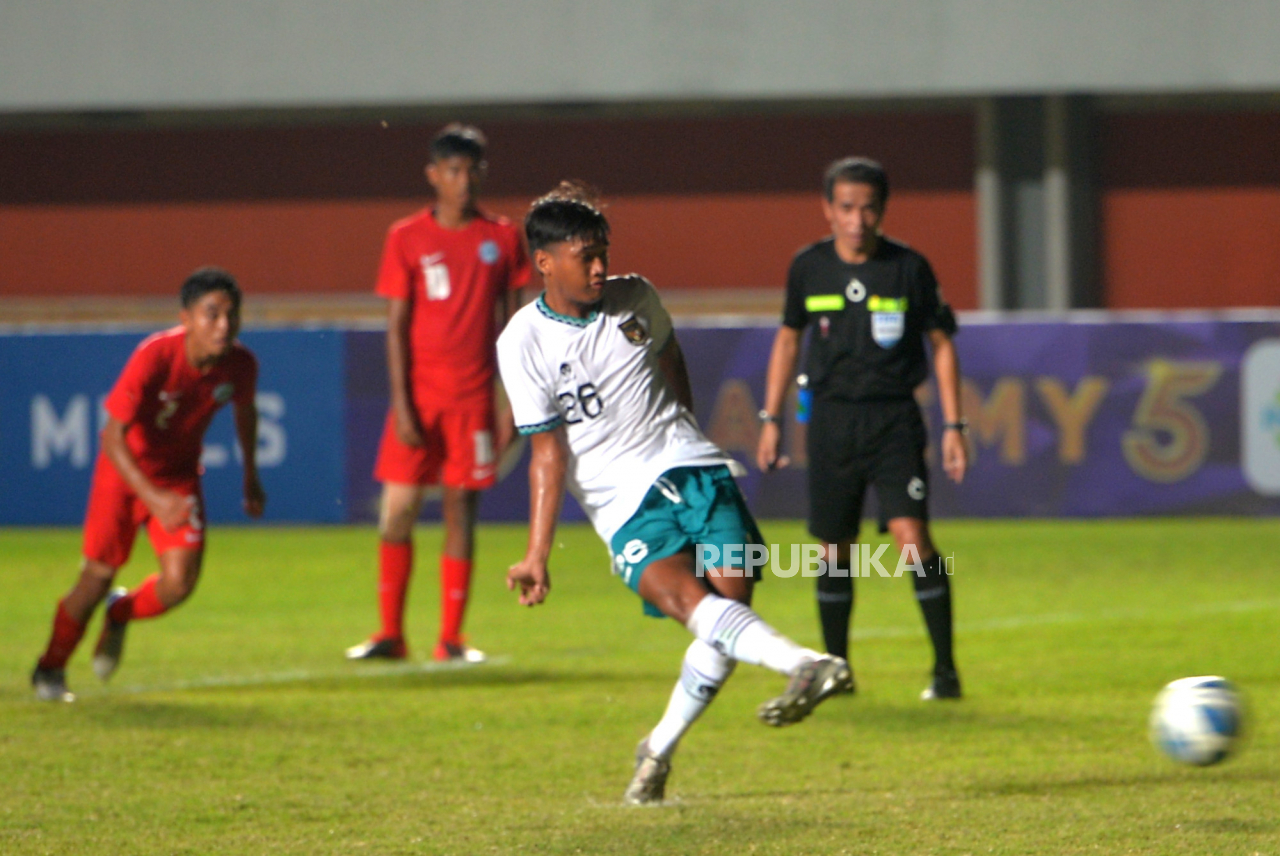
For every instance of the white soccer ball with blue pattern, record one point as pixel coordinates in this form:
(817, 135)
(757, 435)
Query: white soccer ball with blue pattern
(1197, 720)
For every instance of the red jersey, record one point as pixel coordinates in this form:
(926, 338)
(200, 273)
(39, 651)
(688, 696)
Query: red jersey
(453, 280)
(166, 404)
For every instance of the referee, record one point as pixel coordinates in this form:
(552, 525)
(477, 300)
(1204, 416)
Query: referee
(872, 303)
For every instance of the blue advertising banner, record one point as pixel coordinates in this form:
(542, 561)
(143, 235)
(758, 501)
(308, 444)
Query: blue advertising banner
(52, 387)
(1090, 416)
(1067, 418)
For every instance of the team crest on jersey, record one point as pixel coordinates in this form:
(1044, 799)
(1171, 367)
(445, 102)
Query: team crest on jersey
(634, 331)
(489, 252)
(565, 370)
(222, 392)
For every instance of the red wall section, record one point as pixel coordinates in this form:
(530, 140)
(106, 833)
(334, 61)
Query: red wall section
(697, 202)
(702, 241)
(148, 250)
(1190, 209)
(1187, 248)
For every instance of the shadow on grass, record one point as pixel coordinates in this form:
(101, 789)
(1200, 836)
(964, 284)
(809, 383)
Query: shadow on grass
(359, 680)
(133, 713)
(1231, 825)
(1094, 783)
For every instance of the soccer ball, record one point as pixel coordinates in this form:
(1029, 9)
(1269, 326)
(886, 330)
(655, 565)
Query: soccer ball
(1196, 720)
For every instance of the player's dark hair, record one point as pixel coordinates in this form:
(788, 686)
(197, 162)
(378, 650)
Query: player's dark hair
(858, 171)
(205, 280)
(457, 139)
(568, 212)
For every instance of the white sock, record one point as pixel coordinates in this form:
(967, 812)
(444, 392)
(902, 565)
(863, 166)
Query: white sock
(736, 631)
(702, 674)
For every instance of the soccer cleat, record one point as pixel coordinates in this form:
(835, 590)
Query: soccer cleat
(814, 681)
(945, 685)
(51, 685)
(110, 648)
(449, 652)
(379, 649)
(649, 784)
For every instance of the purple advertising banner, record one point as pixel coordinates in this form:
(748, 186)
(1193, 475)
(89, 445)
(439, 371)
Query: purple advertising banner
(1096, 415)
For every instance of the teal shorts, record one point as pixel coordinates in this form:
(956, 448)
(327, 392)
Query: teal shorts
(687, 506)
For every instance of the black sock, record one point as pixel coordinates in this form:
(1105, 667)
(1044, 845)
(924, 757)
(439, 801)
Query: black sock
(835, 608)
(933, 591)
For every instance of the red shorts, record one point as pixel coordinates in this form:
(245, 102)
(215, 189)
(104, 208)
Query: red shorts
(457, 449)
(115, 513)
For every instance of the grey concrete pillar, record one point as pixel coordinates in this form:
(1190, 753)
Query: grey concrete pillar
(1036, 210)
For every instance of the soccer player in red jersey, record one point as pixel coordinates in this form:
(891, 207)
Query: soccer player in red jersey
(450, 274)
(148, 473)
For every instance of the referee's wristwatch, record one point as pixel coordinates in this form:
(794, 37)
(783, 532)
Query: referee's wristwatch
(766, 416)
(961, 425)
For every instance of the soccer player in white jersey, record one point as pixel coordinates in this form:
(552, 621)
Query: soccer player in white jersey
(597, 381)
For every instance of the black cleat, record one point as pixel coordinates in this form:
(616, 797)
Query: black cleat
(946, 685)
(378, 649)
(51, 685)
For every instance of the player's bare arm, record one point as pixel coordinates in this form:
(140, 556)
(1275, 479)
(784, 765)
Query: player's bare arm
(547, 470)
(408, 428)
(169, 507)
(255, 498)
(675, 372)
(946, 370)
(782, 367)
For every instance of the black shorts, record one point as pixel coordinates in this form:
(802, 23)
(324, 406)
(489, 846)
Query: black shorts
(855, 444)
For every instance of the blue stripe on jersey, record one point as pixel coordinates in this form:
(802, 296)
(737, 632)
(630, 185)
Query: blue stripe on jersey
(566, 319)
(553, 422)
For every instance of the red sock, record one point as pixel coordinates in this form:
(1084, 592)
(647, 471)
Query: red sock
(395, 566)
(62, 643)
(142, 602)
(455, 585)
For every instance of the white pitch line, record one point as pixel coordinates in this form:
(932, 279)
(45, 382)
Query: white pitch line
(300, 675)
(1012, 622)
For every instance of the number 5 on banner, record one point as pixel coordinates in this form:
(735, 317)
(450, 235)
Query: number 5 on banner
(1170, 439)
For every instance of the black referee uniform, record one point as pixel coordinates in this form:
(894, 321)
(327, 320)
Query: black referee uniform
(867, 324)
(866, 357)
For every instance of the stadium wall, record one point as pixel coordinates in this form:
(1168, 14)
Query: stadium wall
(1189, 200)
(1085, 415)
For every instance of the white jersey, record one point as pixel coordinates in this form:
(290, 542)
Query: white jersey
(599, 377)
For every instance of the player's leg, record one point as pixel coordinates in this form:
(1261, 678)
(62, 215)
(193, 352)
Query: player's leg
(933, 593)
(837, 485)
(111, 524)
(902, 487)
(732, 628)
(469, 466)
(399, 509)
(700, 505)
(836, 597)
(70, 619)
(459, 507)
(404, 472)
(181, 554)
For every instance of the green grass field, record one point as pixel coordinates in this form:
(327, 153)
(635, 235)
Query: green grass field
(234, 725)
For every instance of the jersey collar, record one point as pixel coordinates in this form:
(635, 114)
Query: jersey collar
(566, 319)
